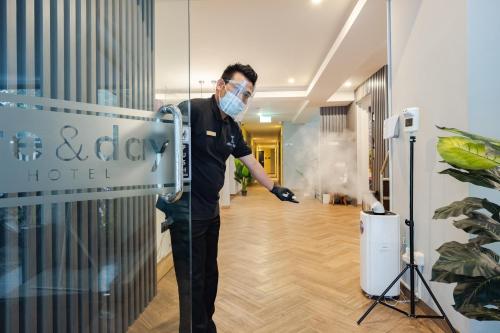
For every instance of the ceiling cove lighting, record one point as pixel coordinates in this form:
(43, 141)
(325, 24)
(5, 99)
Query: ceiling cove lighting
(265, 119)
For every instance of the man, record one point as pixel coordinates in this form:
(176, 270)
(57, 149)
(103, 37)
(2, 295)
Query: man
(214, 136)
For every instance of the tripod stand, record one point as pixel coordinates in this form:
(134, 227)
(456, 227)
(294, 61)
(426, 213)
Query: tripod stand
(411, 266)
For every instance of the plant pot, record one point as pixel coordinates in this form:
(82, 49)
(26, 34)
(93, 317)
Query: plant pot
(244, 193)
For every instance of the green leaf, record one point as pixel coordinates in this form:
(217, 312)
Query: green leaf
(487, 179)
(494, 144)
(458, 208)
(492, 254)
(481, 225)
(239, 171)
(477, 292)
(468, 259)
(466, 206)
(245, 172)
(480, 313)
(493, 208)
(482, 240)
(476, 270)
(467, 153)
(447, 277)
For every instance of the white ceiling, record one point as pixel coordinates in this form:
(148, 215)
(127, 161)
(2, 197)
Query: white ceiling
(280, 109)
(320, 46)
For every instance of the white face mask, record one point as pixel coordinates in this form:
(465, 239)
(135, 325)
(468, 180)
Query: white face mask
(231, 103)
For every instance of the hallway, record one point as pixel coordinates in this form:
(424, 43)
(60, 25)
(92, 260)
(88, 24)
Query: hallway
(285, 268)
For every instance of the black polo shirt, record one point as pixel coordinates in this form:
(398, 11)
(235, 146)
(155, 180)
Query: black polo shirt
(213, 139)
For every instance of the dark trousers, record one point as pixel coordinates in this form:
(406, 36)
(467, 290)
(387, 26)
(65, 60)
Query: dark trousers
(196, 295)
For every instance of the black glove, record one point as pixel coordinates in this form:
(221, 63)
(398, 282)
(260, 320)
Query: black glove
(283, 194)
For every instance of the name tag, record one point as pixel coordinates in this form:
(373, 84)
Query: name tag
(211, 133)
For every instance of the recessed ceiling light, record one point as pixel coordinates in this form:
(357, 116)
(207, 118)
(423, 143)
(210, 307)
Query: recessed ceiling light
(291, 80)
(265, 119)
(316, 2)
(348, 84)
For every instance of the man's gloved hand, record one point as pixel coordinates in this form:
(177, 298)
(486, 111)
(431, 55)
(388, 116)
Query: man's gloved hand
(284, 194)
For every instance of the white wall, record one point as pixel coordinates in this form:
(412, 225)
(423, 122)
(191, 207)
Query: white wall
(430, 71)
(351, 117)
(484, 86)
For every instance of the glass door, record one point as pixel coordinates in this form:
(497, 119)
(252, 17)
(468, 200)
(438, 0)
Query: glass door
(86, 149)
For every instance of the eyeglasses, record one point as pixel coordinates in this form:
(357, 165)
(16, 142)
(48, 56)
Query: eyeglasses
(239, 88)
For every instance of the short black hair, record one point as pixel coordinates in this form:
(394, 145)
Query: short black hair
(246, 70)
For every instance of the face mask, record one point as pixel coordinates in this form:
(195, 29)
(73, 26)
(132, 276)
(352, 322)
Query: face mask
(232, 105)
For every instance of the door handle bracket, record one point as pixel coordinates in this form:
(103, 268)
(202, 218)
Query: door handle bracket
(178, 152)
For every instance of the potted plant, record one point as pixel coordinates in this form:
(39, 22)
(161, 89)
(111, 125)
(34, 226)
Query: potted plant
(242, 175)
(475, 268)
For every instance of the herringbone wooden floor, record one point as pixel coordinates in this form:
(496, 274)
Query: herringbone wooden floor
(285, 268)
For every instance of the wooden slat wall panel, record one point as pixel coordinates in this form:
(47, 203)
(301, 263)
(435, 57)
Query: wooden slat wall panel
(111, 264)
(130, 262)
(147, 252)
(58, 250)
(140, 71)
(122, 51)
(83, 266)
(135, 255)
(108, 49)
(71, 265)
(86, 266)
(376, 85)
(3, 43)
(11, 305)
(27, 215)
(81, 49)
(44, 56)
(91, 51)
(134, 24)
(102, 223)
(124, 261)
(116, 49)
(141, 288)
(118, 255)
(333, 119)
(45, 306)
(94, 266)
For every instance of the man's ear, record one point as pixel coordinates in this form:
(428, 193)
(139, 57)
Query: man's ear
(219, 85)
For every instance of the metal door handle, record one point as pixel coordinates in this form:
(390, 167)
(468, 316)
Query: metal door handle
(179, 148)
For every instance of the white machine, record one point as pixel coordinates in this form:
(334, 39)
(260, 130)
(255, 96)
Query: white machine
(411, 119)
(380, 252)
